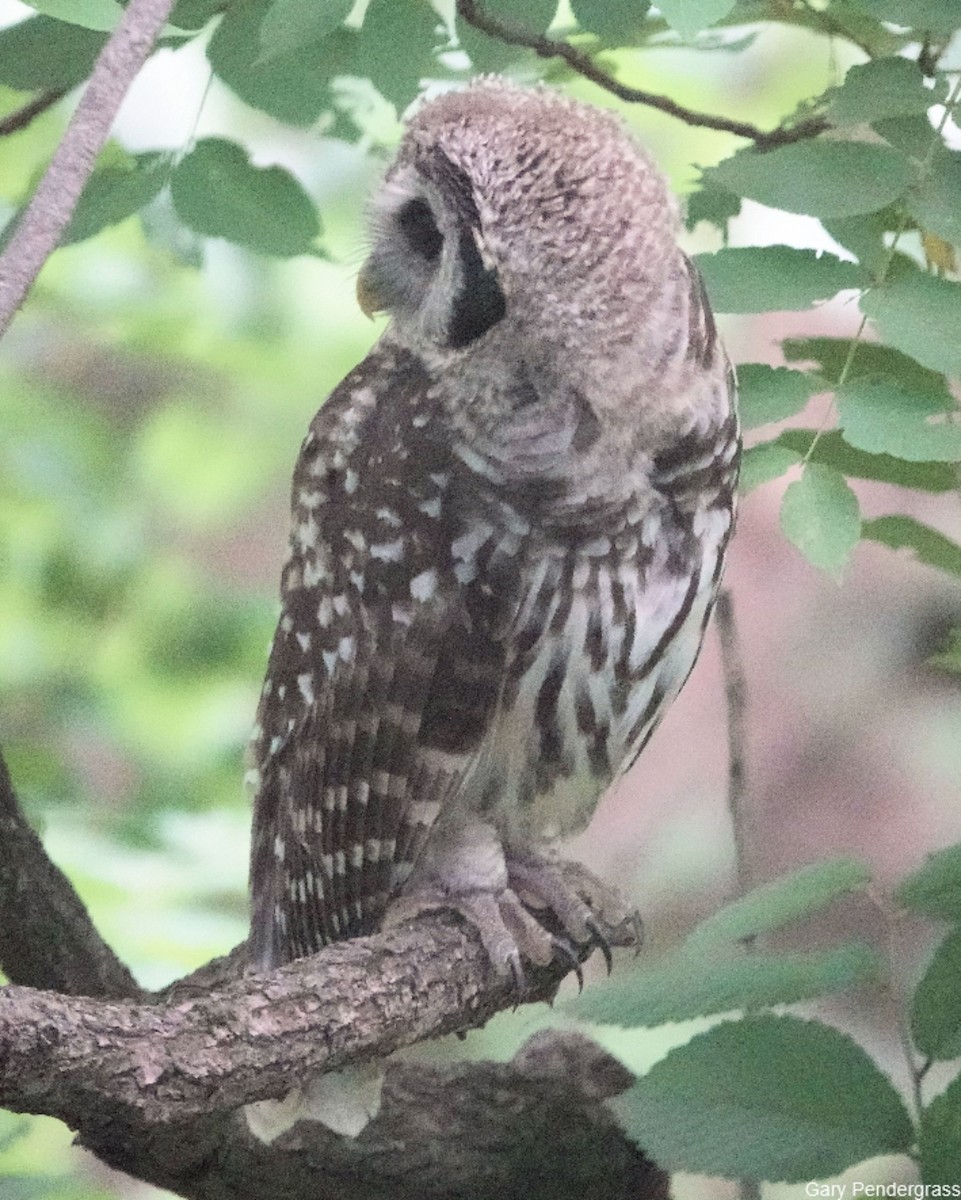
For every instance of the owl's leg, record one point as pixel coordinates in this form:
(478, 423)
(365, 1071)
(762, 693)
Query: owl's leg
(464, 868)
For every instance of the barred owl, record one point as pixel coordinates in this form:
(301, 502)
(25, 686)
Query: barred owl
(509, 524)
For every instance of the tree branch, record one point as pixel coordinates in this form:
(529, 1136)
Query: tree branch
(249, 1039)
(152, 1087)
(513, 35)
(533, 1129)
(49, 211)
(21, 117)
(47, 939)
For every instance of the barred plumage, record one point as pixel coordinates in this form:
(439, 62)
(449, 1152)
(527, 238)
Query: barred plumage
(509, 525)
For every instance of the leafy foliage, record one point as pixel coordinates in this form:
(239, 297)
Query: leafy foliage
(820, 515)
(771, 1097)
(768, 1097)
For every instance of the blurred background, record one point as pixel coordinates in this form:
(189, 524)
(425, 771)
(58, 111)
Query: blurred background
(153, 395)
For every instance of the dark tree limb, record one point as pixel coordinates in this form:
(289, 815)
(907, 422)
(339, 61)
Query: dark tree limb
(47, 939)
(152, 1084)
(48, 213)
(21, 117)
(472, 13)
(150, 1089)
(483, 1131)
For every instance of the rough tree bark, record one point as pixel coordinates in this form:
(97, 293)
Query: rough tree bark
(152, 1084)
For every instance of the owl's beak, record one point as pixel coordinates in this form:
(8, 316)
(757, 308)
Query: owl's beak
(367, 295)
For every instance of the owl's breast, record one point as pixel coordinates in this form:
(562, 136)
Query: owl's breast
(603, 643)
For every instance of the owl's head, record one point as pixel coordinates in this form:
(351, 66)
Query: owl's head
(515, 209)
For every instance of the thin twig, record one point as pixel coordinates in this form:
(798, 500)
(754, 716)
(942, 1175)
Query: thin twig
(20, 118)
(51, 207)
(735, 690)
(472, 13)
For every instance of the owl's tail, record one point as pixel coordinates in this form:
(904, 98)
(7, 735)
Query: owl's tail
(345, 1101)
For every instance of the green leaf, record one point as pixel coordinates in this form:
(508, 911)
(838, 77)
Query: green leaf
(934, 202)
(913, 136)
(767, 394)
(614, 21)
(219, 193)
(100, 15)
(831, 354)
(396, 48)
(693, 983)
(881, 417)
(925, 16)
(295, 89)
(820, 515)
(769, 1098)
(863, 235)
(773, 278)
(949, 659)
(936, 1007)
(832, 450)
(940, 1139)
(488, 54)
(819, 178)
(782, 901)
(291, 25)
(929, 545)
(534, 16)
(712, 204)
(689, 17)
(42, 53)
(935, 888)
(920, 316)
(884, 87)
(760, 464)
(113, 194)
(194, 14)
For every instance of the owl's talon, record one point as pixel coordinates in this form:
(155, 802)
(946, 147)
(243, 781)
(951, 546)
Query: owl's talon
(599, 939)
(516, 968)
(568, 952)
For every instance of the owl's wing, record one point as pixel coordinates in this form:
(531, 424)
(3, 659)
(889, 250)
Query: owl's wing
(384, 673)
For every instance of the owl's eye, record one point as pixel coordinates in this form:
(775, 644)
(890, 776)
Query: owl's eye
(418, 226)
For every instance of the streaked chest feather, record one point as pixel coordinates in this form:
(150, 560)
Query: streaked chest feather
(618, 637)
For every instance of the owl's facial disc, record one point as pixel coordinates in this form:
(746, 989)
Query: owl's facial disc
(427, 267)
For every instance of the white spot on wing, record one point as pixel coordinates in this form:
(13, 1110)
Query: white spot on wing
(388, 551)
(424, 585)
(430, 508)
(314, 573)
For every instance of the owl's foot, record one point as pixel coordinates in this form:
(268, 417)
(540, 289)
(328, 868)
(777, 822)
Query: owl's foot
(542, 911)
(509, 933)
(573, 904)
